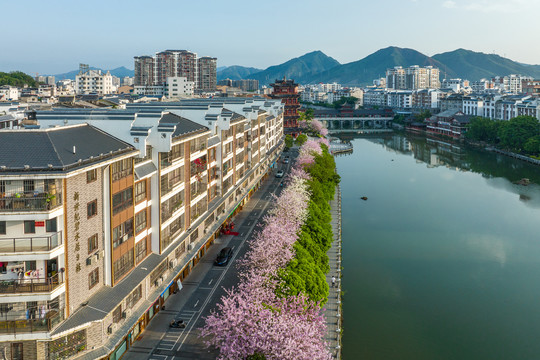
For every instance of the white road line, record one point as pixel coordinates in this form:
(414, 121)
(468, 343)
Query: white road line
(210, 282)
(197, 303)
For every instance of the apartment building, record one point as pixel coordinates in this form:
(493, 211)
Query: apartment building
(135, 208)
(207, 73)
(154, 71)
(54, 212)
(412, 78)
(93, 82)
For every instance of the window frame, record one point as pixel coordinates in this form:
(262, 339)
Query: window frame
(3, 227)
(32, 228)
(93, 278)
(91, 176)
(49, 227)
(92, 205)
(93, 243)
(139, 195)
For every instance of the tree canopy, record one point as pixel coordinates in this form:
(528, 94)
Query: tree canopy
(17, 78)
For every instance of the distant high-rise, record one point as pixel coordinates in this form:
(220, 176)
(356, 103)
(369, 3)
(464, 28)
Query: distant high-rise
(154, 71)
(144, 71)
(413, 78)
(207, 73)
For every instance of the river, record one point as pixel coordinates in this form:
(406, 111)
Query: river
(443, 259)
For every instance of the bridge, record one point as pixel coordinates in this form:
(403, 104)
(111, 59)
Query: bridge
(347, 119)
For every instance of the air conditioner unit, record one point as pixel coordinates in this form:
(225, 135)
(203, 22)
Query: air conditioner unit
(97, 255)
(124, 315)
(89, 261)
(110, 329)
(190, 247)
(173, 263)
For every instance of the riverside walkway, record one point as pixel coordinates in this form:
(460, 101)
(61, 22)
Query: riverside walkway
(333, 306)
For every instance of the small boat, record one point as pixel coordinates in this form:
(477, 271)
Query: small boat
(364, 198)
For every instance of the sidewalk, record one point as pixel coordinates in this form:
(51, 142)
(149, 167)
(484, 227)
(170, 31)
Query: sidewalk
(333, 306)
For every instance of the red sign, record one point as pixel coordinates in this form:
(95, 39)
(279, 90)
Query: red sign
(40, 223)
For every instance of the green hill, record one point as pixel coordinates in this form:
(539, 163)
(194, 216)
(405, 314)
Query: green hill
(467, 64)
(236, 72)
(298, 68)
(364, 71)
(17, 78)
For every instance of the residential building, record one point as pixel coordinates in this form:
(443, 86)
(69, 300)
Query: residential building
(375, 97)
(206, 74)
(412, 78)
(174, 87)
(9, 93)
(93, 82)
(144, 71)
(450, 123)
(456, 85)
(529, 87)
(110, 227)
(511, 83)
(399, 99)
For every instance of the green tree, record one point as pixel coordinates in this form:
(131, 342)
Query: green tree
(483, 129)
(515, 132)
(422, 115)
(532, 145)
(17, 78)
(289, 141)
(301, 139)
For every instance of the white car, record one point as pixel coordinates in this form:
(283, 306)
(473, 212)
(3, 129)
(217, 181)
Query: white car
(280, 174)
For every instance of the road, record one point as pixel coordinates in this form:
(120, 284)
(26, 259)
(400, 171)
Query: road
(204, 287)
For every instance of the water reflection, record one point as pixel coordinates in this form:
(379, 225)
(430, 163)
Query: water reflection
(500, 171)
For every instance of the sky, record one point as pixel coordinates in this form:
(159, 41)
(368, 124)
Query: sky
(50, 37)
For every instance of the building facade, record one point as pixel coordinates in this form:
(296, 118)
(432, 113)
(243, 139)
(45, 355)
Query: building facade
(207, 73)
(150, 208)
(412, 78)
(287, 91)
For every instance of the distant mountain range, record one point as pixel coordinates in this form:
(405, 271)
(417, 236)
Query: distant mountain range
(119, 72)
(317, 67)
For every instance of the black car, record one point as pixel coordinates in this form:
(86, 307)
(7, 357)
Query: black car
(223, 257)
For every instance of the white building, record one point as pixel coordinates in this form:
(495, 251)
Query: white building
(9, 93)
(174, 87)
(400, 99)
(94, 82)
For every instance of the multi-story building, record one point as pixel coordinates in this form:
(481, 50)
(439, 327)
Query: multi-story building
(375, 97)
(529, 87)
(511, 83)
(144, 71)
(107, 229)
(207, 73)
(412, 78)
(55, 189)
(399, 99)
(287, 91)
(93, 82)
(9, 93)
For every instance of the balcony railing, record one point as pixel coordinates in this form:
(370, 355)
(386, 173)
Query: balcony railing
(40, 202)
(42, 324)
(36, 285)
(39, 243)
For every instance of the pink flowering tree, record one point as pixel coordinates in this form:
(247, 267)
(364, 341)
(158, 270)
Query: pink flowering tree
(254, 318)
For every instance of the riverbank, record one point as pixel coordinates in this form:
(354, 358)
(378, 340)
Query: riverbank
(332, 308)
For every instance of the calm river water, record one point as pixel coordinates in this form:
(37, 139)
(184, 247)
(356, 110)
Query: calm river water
(443, 259)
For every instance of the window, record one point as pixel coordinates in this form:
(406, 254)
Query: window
(2, 228)
(117, 314)
(121, 169)
(16, 351)
(122, 200)
(93, 278)
(29, 227)
(134, 297)
(140, 221)
(91, 208)
(140, 251)
(122, 266)
(29, 186)
(2, 187)
(91, 175)
(51, 225)
(122, 232)
(92, 243)
(140, 191)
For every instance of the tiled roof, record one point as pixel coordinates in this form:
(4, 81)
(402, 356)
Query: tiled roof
(183, 125)
(57, 149)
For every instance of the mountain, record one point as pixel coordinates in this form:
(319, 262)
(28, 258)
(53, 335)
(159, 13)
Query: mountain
(236, 72)
(467, 64)
(297, 68)
(119, 72)
(364, 71)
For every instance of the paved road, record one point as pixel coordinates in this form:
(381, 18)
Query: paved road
(203, 288)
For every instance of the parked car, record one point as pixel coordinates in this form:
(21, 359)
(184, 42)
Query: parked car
(286, 160)
(280, 174)
(223, 257)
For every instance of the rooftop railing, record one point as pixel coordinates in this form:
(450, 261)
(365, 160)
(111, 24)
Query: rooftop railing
(27, 202)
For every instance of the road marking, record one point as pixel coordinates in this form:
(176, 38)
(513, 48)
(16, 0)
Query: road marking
(210, 282)
(197, 303)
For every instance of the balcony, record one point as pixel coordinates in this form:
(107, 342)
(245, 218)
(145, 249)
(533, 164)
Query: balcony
(32, 244)
(44, 322)
(29, 286)
(27, 202)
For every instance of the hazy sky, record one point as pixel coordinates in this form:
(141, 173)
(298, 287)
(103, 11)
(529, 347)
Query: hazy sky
(49, 37)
